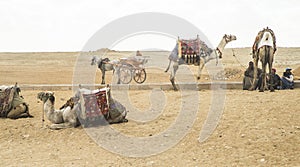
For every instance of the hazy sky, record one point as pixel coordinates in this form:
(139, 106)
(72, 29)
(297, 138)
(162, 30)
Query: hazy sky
(66, 25)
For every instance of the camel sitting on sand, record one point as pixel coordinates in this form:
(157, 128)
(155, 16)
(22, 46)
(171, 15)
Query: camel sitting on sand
(116, 112)
(69, 115)
(12, 104)
(65, 117)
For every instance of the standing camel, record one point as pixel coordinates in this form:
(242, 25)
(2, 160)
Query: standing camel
(195, 53)
(263, 49)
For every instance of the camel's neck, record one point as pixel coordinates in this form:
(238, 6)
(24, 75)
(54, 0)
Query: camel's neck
(222, 45)
(48, 109)
(54, 116)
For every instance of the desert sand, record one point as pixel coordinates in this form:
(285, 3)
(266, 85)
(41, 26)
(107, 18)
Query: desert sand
(255, 129)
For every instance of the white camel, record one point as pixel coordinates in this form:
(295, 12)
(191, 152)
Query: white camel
(66, 117)
(206, 54)
(69, 114)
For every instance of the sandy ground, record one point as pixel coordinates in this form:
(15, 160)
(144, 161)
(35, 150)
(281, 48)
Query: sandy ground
(255, 129)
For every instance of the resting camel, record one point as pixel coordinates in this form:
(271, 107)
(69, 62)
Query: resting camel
(69, 114)
(65, 117)
(206, 54)
(263, 49)
(116, 111)
(12, 105)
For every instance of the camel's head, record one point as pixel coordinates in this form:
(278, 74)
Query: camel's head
(229, 38)
(44, 96)
(17, 89)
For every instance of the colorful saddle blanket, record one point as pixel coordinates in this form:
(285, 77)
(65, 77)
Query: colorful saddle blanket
(95, 103)
(189, 47)
(6, 98)
(194, 47)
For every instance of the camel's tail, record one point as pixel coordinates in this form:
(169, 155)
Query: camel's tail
(168, 66)
(267, 53)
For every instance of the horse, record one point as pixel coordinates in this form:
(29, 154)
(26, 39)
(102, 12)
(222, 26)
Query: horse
(106, 65)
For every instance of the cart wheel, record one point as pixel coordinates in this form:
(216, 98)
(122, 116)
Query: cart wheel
(125, 75)
(140, 76)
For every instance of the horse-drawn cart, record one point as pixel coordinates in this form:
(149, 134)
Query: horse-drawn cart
(126, 68)
(133, 68)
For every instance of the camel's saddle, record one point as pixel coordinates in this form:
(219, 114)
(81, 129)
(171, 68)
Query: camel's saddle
(94, 103)
(97, 104)
(265, 37)
(189, 51)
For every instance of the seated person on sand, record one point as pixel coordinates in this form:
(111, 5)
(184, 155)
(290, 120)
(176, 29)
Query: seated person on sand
(276, 80)
(249, 75)
(138, 53)
(287, 79)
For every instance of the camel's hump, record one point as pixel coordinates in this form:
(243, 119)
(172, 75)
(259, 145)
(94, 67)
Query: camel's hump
(267, 39)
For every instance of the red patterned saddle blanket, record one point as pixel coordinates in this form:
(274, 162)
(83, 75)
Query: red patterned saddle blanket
(190, 47)
(96, 103)
(6, 97)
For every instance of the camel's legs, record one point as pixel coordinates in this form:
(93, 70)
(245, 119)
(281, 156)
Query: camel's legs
(20, 111)
(62, 126)
(270, 53)
(172, 75)
(118, 74)
(271, 79)
(200, 68)
(255, 63)
(168, 66)
(103, 76)
(267, 58)
(263, 75)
